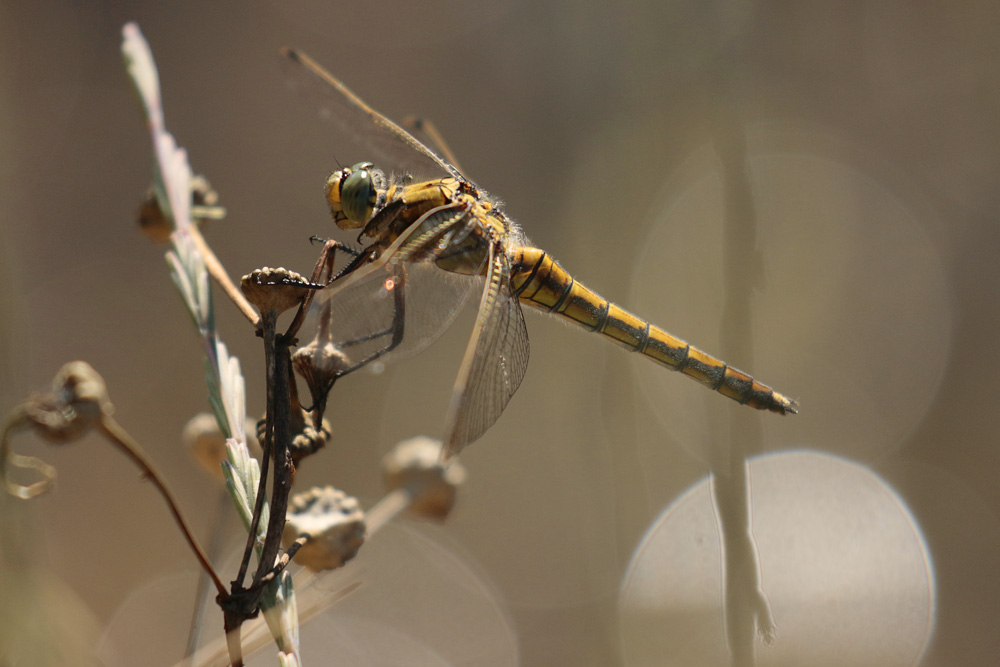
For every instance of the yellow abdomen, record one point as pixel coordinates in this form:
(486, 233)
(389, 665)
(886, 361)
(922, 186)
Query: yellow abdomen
(540, 282)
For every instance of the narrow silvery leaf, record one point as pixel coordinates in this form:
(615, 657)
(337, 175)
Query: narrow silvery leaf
(280, 613)
(187, 270)
(290, 617)
(216, 400)
(141, 69)
(172, 173)
(176, 178)
(233, 388)
(244, 471)
(237, 492)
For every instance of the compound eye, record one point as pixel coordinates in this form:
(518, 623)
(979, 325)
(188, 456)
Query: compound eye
(358, 194)
(354, 193)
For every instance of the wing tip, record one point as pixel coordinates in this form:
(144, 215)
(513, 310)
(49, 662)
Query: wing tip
(450, 451)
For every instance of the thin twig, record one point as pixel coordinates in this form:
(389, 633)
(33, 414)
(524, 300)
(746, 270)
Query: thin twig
(124, 441)
(747, 612)
(218, 273)
(386, 509)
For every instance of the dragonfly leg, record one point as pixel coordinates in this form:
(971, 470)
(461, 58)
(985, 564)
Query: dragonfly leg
(320, 392)
(323, 274)
(395, 330)
(327, 259)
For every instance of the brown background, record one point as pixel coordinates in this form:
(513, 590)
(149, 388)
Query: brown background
(873, 150)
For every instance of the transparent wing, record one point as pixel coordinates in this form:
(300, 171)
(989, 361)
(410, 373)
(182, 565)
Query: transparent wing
(390, 145)
(426, 132)
(400, 303)
(494, 362)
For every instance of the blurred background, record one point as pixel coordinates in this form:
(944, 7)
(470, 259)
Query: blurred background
(865, 140)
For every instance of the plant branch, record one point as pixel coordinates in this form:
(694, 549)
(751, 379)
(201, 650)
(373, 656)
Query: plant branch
(219, 275)
(278, 420)
(124, 441)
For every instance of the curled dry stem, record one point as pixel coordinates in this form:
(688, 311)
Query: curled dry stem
(78, 403)
(120, 438)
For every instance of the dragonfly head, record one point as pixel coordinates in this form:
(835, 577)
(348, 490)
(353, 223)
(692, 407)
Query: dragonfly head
(355, 194)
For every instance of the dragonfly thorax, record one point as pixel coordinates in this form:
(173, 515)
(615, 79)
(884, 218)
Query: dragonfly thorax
(355, 194)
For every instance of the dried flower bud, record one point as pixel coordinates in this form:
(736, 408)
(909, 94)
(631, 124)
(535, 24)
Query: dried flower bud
(275, 289)
(320, 363)
(79, 400)
(415, 466)
(334, 522)
(204, 207)
(151, 219)
(306, 438)
(309, 434)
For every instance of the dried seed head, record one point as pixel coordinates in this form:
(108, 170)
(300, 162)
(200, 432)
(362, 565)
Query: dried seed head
(207, 444)
(320, 363)
(202, 194)
(334, 522)
(151, 219)
(79, 400)
(204, 207)
(275, 290)
(306, 438)
(308, 434)
(415, 466)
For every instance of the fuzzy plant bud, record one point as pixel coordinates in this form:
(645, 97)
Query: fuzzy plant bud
(78, 402)
(320, 363)
(334, 523)
(204, 207)
(415, 466)
(207, 444)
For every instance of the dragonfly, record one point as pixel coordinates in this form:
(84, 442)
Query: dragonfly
(432, 239)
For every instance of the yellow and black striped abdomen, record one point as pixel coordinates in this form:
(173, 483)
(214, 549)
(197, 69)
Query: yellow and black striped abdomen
(540, 282)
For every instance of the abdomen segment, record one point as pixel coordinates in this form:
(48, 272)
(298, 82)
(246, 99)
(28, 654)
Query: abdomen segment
(540, 282)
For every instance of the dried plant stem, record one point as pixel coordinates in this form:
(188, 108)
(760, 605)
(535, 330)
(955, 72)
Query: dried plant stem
(16, 421)
(386, 509)
(244, 603)
(255, 633)
(268, 327)
(278, 420)
(292, 549)
(234, 645)
(119, 437)
(747, 612)
(218, 273)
